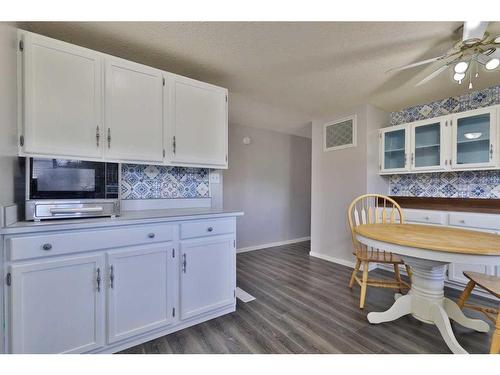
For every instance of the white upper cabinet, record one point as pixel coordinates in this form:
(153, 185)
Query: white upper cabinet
(475, 139)
(61, 96)
(429, 145)
(79, 103)
(197, 122)
(461, 141)
(394, 146)
(133, 111)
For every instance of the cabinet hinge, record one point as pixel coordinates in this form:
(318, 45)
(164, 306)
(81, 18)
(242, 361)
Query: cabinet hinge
(173, 253)
(21, 45)
(234, 293)
(234, 244)
(173, 312)
(21, 140)
(8, 279)
(226, 158)
(163, 152)
(447, 272)
(173, 144)
(163, 81)
(226, 98)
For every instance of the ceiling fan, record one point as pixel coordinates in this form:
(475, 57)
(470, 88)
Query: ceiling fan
(477, 48)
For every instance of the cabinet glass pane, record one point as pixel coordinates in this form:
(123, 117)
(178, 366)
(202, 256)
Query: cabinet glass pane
(427, 145)
(394, 149)
(473, 139)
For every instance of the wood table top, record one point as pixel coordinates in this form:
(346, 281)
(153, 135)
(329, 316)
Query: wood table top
(452, 240)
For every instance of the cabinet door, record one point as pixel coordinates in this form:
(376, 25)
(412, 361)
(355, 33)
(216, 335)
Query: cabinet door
(198, 123)
(134, 111)
(474, 139)
(208, 277)
(394, 144)
(57, 306)
(429, 145)
(62, 98)
(140, 290)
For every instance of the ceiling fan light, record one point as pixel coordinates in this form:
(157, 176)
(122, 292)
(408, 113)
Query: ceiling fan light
(461, 67)
(492, 64)
(497, 39)
(458, 76)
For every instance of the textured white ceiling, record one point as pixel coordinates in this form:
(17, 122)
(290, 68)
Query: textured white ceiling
(281, 75)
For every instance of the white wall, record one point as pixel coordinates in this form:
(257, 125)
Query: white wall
(338, 177)
(270, 180)
(8, 113)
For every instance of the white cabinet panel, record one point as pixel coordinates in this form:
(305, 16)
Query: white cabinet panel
(141, 290)
(394, 149)
(57, 306)
(475, 138)
(208, 279)
(133, 111)
(62, 98)
(456, 270)
(425, 216)
(429, 145)
(198, 121)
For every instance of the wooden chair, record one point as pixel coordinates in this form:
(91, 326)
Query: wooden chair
(369, 209)
(492, 285)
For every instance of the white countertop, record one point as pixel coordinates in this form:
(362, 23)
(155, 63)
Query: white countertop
(126, 218)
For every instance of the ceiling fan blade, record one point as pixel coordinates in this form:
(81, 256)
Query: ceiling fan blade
(474, 30)
(434, 74)
(418, 63)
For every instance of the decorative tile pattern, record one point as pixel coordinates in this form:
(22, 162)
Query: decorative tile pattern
(471, 100)
(161, 182)
(467, 184)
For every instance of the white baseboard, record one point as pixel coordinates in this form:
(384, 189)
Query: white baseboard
(273, 244)
(344, 262)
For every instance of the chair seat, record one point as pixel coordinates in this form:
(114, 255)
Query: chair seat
(487, 282)
(378, 256)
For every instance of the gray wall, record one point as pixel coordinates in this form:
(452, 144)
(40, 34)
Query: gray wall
(337, 178)
(270, 180)
(8, 113)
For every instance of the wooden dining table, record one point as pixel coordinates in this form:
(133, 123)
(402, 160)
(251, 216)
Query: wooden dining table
(428, 250)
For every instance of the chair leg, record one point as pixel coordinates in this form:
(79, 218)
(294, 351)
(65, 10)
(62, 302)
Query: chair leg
(408, 271)
(495, 339)
(466, 293)
(354, 273)
(362, 295)
(397, 276)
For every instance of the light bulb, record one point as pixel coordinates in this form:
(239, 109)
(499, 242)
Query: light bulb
(458, 76)
(461, 67)
(497, 39)
(492, 64)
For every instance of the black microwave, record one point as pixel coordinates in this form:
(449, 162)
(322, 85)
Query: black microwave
(64, 188)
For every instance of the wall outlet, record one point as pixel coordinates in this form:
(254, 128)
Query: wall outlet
(214, 178)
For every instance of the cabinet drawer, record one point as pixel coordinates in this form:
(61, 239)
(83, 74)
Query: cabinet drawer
(207, 228)
(41, 245)
(423, 216)
(480, 221)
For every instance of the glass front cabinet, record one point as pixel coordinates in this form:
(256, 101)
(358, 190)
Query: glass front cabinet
(461, 141)
(474, 139)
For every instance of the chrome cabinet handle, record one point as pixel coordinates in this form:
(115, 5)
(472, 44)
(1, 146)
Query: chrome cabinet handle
(98, 279)
(112, 277)
(151, 235)
(184, 263)
(109, 138)
(47, 246)
(426, 218)
(491, 151)
(174, 144)
(97, 136)
(210, 229)
(412, 159)
(462, 221)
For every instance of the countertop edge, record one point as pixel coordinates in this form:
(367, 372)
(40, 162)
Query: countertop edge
(46, 226)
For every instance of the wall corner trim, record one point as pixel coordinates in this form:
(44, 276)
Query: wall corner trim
(273, 244)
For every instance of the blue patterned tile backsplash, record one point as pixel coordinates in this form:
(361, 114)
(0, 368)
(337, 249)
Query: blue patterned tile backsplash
(471, 100)
(464, 184)
(161, 182)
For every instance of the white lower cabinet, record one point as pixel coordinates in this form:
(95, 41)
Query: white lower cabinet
(57, 306)
(107, 295)
(208, 278)
(141, 283)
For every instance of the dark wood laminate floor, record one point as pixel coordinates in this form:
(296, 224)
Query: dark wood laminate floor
(303, 305)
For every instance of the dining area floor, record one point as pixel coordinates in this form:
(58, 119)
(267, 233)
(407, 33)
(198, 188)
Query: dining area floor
(303, 305)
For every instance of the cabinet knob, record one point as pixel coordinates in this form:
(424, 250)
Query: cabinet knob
(426, 218)
(210, 229)
(47, 246)
(462, 221)
(151, 235)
